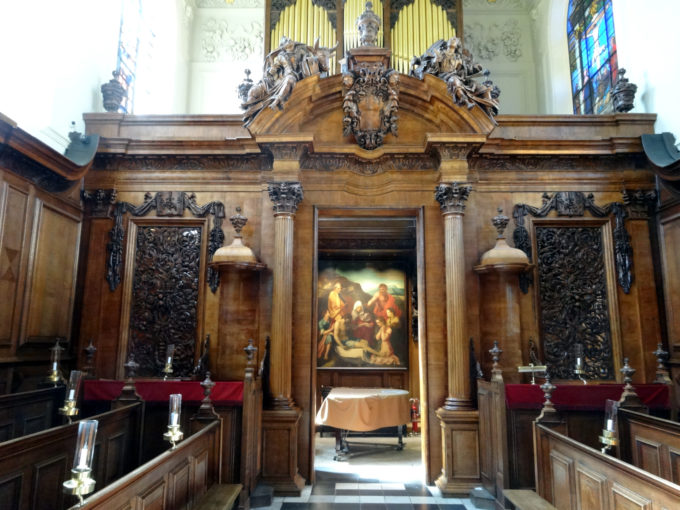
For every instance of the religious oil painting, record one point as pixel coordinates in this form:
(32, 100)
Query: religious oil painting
(362, 315)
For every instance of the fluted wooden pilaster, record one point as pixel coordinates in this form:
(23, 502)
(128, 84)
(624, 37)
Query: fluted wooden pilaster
(451, 198)
(286, 196)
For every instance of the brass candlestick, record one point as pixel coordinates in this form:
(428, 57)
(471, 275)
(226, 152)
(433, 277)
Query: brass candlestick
(174, 434)
(81, 482)
(55, 376)
(579, 370)
(69, 408)
(609, 435)
(167, 370)
(533, 370)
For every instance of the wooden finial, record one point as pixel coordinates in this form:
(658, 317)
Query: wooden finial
(496, 371)
(549, 415)
(662, 376)
(629, 398)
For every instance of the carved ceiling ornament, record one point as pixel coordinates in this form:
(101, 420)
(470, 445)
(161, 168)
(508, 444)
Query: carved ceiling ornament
(453, 64)
(576, 203)
(291, 62)
(286, 196)
(452, 197)
(489, 41)
(223, 41)
(165, 203)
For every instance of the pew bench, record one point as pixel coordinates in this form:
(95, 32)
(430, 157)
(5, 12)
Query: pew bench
(526, 500)
(221, 496)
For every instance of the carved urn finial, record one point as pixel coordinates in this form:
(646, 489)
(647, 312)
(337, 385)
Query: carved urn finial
(500, 222)
(131, 366)
(368, 25)
(238, 222)
(627, 372)
(623, 94)
(207, 385)
(629, 397)
(250, 352)
(547, 387)
(245, 87)
(496, 371)
(662, 376)
(113, 93)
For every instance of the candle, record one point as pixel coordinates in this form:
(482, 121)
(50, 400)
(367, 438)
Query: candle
(610, 425)
(578, 362)
(169, 362)
(174, 418)
(82, 463)
(71, 394)
(54, 366)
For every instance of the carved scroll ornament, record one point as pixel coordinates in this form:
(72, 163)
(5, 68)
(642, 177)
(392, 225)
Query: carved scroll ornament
(291, 62)
(453, 64)
(575, 203)
(165, 203)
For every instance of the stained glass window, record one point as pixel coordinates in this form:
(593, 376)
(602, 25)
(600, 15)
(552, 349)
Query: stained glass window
(135, 46)
(592, 55)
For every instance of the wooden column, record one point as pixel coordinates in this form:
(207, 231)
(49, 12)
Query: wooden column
(461, 470)
(452, 198)
(280, 423)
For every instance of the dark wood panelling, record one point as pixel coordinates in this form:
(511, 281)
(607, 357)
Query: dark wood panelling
(179, 492)
(43, 460)
(10, 490)
(591, 489)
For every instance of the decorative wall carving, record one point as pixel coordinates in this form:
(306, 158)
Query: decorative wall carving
(98, 203)
(277, 7)
(383, 164)
(366, 244)
(38, 174)
(180, 162)
(565, 162)
(232, 4)
(640, 204)
(574, 302)
(166, 203)
(489, 41)
(452, 197)
(497, 4)
(221, 40)
(286, 196)
(165, 289)
(370, 102)
(575, 203)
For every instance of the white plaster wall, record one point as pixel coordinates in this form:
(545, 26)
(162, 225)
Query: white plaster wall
(225, 41)
(54, 58)
(648, 39)
(499, 35)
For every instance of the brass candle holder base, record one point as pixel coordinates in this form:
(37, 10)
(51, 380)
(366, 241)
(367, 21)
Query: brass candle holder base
(69, 409)
(608, 439)
(579, 372)
(79, 484)
(173, 435)
(55, 377)
(167, 371)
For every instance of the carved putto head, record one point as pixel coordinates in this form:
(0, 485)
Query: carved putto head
(368, 24)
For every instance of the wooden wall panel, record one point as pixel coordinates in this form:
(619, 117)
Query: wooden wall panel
(46, 488)
(648, 455)
(562, 469)
(52, 272)
(591, 490)
(626, 499)
(14, 207)
(179, 493)
(10, 490)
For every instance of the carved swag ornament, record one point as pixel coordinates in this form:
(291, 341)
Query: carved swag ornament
(370, 91)
(166, 203)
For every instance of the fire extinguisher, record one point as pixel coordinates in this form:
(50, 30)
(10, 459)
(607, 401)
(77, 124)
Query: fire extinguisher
(415, 416)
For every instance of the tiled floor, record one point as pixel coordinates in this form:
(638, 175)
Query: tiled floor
(386, 480)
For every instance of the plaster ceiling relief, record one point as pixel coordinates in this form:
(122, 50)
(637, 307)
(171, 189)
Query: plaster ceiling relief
(221, 40)
(488, 42)
(486, 5)
(228, 4)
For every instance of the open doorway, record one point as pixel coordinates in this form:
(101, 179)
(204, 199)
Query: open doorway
(367, 334)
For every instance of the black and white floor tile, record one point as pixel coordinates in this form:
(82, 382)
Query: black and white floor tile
(385, 480)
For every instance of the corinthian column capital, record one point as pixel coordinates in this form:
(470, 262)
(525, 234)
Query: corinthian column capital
(452, 197)
(286, 196)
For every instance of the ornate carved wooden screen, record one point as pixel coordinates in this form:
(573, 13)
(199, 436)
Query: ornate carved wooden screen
(579, 261)
(573, 300)
(165, 295)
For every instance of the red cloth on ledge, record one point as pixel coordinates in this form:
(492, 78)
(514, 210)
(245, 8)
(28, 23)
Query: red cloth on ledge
(223, 393)
(582, 397)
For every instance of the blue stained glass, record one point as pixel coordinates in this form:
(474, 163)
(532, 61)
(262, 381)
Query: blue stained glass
(592, 54)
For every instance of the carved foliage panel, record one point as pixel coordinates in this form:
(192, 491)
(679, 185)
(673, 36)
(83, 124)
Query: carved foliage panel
(573, 300)
(164, 302)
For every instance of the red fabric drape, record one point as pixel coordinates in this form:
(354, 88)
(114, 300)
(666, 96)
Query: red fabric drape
(224, 392)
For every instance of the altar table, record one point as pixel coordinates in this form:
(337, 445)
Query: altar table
(363, 410)
(223, 393)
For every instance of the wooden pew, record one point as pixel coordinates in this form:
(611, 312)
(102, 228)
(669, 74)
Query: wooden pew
(33, 467)
(573, 476)
(174, 480)
(29, 412)
(650, 443)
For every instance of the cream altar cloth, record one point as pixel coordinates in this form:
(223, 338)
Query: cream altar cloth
(364, 409)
